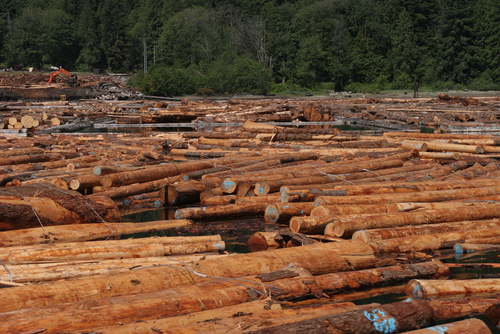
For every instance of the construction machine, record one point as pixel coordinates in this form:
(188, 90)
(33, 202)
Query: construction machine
(72, 77)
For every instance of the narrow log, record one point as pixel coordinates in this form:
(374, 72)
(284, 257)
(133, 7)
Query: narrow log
(221, 211)
(82, 232)
(30, 212)
(426, 196)
(438, 146)
(134, 189)
(260, 241)
(461, 307)
(408, 231)
(469, 326)
(318, 259)
(420, 288)
(337, 210)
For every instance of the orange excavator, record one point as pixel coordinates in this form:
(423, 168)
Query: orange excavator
(72, 77)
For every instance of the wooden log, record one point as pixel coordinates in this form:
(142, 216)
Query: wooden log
(493, 314)
(337, 210)
(310, 225)
(283, 212)
(134, 189)
(30, 212)
(260, 241)
(427, 196)
(438, 146)
(463, 248)
(105, 250)
(433, 241)
(430, 288)
(407, 231)
(181, 322)
(317, 259)
(221, 211)
(469, 326)
(151, 173)
(82, 232)
(346, 227)
(390, 318)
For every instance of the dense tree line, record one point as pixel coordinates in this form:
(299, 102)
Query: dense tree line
(256, 46)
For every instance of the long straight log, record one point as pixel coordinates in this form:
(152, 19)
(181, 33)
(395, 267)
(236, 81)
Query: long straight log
(52, 271)
(389, 318)
(438, 146)
(114, 308)
(317, 259)
(469, 326)
(151, 173)
(426, 196)
(460, 307)
(221, 211)
(430, 288)
(432, 241)
(134, 189)
(82, 232)
(346, 227)
(89, 251)
(30, 212)
(408, 231)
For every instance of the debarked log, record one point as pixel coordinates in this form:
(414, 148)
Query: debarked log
(390, 318)
(101, 250)
(27, 212)
(221, 211)
(346, 227)
(210, 296)
(431, 288)
(283, 212)
(431, 241)
(318, 259)
(408, 231)
(469, 326)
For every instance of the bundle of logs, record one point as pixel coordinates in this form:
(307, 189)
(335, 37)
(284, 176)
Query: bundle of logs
(345, 216)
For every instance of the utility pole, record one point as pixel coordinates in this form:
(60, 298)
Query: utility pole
(145, 56)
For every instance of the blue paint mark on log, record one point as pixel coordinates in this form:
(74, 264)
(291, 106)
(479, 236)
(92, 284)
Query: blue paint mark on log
(381, 322)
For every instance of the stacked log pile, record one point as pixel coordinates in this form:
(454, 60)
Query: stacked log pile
(343, 215)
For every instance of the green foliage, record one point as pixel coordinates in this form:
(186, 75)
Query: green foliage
(257, 46)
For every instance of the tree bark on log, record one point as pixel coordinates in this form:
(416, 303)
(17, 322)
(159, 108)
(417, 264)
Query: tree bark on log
(469, 326)
(28, 212)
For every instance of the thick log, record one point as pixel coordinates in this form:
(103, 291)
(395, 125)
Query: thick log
(408, 231)
(151, 173)
(390, 318)
(27, 212)
(221, 211)
(460, 307)
(438, 146)
(346, 227)
(82, 232)
(420, 288)
(109, 249)
(317, 259)
(469, 326)
(283, 212)
(52, 271)
(464, 248)
(432, 241)
(134, 189)
(260, 241)
(339, 210)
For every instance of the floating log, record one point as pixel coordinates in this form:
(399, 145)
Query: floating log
(469, 326)
(317, 259)
(151, 173)
(283, 212)
(391, 318)
(221, 211)
(82, 232)
(463, 248)
(419, 288)
(407, 231)
(346, 227)
(27, 212)
(431, 241)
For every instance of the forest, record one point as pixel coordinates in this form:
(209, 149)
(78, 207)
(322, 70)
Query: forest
(260, 47)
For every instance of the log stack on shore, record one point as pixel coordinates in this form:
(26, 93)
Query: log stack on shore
(338, 217)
